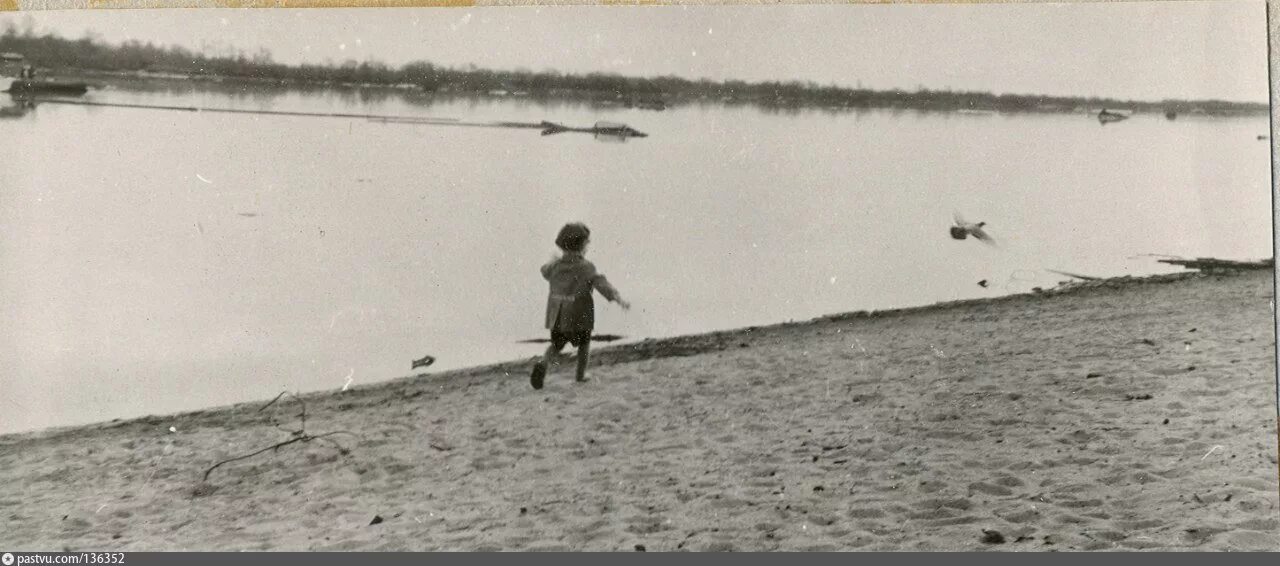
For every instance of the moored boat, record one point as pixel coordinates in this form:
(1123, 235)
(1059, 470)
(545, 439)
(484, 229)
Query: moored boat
(31, 87)
(19, 79)
(1108, 116)
(601, 130)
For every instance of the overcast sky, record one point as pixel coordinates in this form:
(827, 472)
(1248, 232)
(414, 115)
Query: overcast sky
(1127, 50)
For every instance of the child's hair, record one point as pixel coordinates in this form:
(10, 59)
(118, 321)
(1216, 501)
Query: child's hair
(573, 237)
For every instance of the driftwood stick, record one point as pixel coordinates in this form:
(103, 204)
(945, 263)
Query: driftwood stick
(304, 413)
(277, 446)
(1075, 275)
(297, 436)
(302, 429)
(273, 401)
(1209, 263)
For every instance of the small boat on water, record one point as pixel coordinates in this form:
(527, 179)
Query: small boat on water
(601, 129)
(19, 79)
(1108, 116)
(646, 104)
(33, 87)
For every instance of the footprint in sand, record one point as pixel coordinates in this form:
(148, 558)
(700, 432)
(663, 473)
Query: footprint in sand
(989, 489)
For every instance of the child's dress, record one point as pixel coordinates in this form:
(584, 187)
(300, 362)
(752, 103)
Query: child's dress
(570, 308)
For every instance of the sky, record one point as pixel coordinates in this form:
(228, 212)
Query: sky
(1146, 51)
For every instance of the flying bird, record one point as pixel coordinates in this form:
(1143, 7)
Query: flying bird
(961, 230)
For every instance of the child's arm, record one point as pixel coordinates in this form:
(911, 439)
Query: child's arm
(546, 268)
(607, 289)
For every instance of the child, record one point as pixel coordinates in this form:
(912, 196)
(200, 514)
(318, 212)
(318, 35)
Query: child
(570, 309)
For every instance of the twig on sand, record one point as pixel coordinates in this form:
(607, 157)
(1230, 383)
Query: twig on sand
(300, 438)
(297, 436)
(1210, 264)
(1075, 275)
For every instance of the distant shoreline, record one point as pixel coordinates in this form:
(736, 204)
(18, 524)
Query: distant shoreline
(51, 54)
(794, 98)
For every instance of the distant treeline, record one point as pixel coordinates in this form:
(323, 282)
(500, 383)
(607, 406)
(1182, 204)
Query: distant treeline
(52, 52)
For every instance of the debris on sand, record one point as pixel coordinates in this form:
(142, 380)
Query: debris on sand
(992, 537)
(1075, 275)
(1214, 265)
(423, 362)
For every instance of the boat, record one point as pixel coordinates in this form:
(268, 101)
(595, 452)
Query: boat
(31, 87)
(617, 130)
(19, 79)
(646, 104)
(1109, 116)
(600, 130)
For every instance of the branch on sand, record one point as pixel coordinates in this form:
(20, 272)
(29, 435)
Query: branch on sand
(296, 436)
(1209, 264)
(1075, 275)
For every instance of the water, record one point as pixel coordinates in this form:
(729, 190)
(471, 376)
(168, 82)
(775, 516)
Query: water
(161, 261)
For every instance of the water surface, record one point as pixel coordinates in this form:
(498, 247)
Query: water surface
(159, 261)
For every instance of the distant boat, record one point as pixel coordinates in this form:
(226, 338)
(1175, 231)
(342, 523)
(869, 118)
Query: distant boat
(1109, 116)
(646, 104)
(19, 79)
(606, 129)
(29, 87)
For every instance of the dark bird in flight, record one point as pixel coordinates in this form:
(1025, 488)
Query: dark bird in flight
(961, 230)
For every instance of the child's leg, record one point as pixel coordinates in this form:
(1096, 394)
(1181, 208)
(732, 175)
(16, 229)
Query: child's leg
(553, 351)
(584, 353)
(540, 367)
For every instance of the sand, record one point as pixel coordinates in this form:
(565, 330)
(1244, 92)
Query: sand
(1125, 415)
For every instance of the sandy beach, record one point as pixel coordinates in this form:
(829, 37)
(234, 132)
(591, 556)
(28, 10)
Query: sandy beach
(1121, 415)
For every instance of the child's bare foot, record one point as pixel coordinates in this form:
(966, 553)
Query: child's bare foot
(539, 372)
